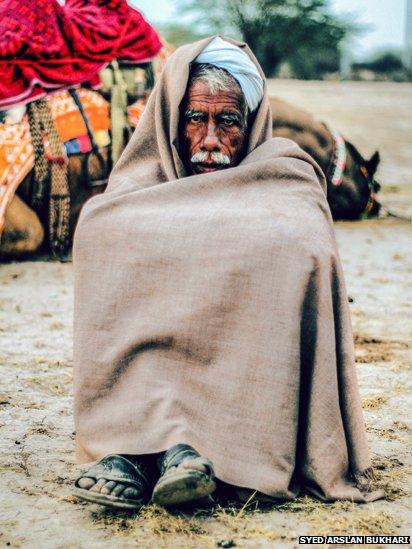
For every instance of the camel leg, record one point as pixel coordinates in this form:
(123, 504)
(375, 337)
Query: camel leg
(23, 233)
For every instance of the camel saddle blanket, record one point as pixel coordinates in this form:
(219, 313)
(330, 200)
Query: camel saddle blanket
(135, 111)
(16, 149)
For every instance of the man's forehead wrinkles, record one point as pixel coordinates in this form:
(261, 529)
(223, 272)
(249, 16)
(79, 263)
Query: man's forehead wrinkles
(197, 105)
(235, 99)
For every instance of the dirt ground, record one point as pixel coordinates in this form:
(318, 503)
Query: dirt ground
(37, 460)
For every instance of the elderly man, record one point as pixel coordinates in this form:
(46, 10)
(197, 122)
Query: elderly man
(212, 335)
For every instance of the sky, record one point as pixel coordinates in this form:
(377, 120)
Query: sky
(385, 19)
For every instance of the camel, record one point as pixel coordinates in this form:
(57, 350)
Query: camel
(351, 193)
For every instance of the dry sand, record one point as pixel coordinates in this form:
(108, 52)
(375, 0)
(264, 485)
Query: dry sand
(37, 462)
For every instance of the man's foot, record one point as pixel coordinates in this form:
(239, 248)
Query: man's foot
(115, 481)
(185, 476)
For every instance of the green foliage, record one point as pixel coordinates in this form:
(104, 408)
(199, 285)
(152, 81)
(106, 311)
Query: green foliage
(178, 34)
(302, 32)
(313, 63)
(384, 63)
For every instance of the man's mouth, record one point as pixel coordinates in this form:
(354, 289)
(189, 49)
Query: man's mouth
(202, 167)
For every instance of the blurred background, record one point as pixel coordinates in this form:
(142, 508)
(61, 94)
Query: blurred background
(305, 39)
(347, 62)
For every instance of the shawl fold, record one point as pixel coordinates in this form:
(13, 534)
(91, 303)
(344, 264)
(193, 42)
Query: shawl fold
(211, 310)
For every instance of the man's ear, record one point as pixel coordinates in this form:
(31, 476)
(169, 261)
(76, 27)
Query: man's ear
(373, 163)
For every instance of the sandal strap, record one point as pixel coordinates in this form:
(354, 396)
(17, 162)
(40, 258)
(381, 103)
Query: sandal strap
(181, 452)
(118, 469)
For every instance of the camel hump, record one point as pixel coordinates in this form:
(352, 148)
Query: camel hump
(308, 132)
(285, 114)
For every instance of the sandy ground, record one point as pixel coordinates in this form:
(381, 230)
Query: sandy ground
(37, 461)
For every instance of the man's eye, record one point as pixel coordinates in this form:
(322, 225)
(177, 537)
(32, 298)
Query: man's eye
(196, 118)
(228, 122)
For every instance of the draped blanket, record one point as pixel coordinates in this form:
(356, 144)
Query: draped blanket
(45, 46)
(211, 310)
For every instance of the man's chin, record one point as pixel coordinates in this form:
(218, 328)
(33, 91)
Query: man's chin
(202, 168)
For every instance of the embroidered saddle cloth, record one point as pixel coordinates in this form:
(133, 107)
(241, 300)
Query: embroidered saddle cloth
(16, 149)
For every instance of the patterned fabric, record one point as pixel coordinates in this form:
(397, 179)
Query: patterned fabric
(16, 161)
(45, 46)
(80, 145)
(135, 111)
(59, 192)
(69, 121)
(16, 150)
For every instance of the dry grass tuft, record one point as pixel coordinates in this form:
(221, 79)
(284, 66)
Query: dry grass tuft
(56, 325)
(400, 425)
(71, 499)
(374, 402)
(356, 522)
(304, 504)
(155, 526)
(204, 528)
(401, 367)
(391, 475)
(40, 429)
(118, 522)
(160, 522)
(30, 405)
(4, 399)
(398, 431)
(340, 518)
(371, 349)
(52, 384)
(244, 522)
(399, 389)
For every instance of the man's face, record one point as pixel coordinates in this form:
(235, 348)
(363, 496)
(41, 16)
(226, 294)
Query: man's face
(213, 129)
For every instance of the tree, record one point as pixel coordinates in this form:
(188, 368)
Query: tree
(277, 30)
(178, 34)
(385, 62)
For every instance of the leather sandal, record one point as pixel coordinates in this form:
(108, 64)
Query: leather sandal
(119, 469)
(179, 483)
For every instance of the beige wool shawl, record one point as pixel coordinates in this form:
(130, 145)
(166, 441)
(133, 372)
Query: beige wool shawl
(211, 310)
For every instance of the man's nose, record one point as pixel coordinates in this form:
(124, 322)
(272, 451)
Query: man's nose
(211, 140)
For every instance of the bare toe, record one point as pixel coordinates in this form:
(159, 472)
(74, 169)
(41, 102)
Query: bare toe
(86, 483)
(130, 493)
(117, 490)
(108, 487)
(99, 485)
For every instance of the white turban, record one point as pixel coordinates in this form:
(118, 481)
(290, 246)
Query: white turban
(231, 58)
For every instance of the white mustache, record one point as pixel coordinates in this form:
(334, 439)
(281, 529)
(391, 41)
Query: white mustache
(215, 157)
